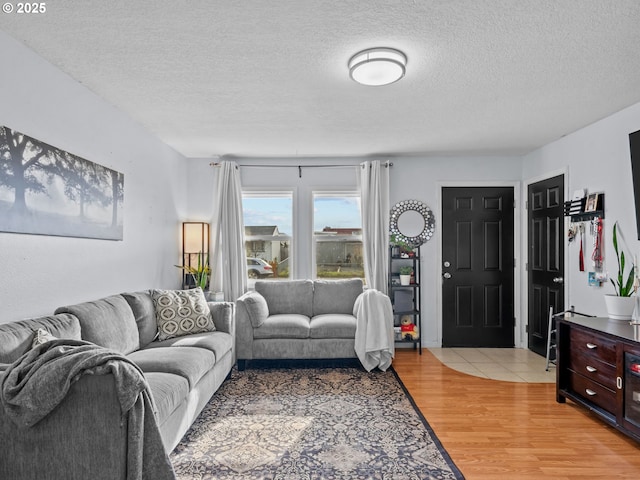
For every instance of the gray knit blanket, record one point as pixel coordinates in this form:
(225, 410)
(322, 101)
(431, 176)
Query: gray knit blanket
(38, 381)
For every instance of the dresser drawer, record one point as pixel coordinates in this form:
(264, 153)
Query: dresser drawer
(590, 344)
(591, 367)
(593, 392)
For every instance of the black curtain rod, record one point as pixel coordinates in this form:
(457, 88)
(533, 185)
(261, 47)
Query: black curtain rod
(217, 164)
(299, 167)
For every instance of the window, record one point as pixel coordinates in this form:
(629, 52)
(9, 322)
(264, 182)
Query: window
(268, 227)
(337, 234)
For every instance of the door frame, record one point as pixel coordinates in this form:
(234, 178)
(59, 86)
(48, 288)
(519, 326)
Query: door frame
(517, 243)
(524, 293)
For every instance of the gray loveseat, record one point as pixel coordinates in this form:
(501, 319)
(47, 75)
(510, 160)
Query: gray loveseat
(297, 319)
(85, 435)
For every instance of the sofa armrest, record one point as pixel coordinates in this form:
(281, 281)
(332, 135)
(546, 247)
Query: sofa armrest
(244, 335)
(83, 437)
(224, 318)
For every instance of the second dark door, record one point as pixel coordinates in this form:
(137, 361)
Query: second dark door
(545, 266)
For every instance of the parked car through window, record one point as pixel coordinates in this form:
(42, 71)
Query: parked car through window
(258, 268)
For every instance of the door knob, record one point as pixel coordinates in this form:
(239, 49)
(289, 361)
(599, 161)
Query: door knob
(558, 280)
(446, 275)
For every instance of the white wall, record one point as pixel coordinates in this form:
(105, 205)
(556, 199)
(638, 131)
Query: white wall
(39, 273)
(423, 179)
(595, 158)
(411, 178)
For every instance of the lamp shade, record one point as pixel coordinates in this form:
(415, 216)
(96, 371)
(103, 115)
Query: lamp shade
(377, 66)
(195, 237)
(195, 249)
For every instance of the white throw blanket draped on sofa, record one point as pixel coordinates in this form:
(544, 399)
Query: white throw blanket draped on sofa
(374, 342)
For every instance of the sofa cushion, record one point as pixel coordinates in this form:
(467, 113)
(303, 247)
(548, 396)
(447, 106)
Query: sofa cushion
(144, 312)
(335, 296)
(220, 343)
(257, 308)
(283, 326)
(168, 391)
(333, 325)
(181, 312)
(16, 337)
(295, 296)
(188, 362)
(108, 322)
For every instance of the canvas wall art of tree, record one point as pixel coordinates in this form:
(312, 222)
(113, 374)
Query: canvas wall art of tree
(47, 191)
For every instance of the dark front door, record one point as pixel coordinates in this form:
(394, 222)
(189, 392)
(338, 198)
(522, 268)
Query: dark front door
(545, 265)
(478, 262)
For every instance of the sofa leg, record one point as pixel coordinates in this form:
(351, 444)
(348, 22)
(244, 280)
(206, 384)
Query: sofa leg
(242, 364)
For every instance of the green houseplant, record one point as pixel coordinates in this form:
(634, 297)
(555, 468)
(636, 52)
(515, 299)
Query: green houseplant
(400, 245)
(405, 275)
(199, 273)
(622, 288)
(621, 305)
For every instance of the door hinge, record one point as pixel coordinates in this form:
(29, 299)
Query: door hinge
(526, 328)
(526, 205)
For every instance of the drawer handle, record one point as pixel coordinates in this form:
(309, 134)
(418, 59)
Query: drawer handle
(591, 346)
(591, 369)
(590, 392)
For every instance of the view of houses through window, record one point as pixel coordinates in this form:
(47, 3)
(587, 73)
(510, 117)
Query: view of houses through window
(268, 226)
(337, 235)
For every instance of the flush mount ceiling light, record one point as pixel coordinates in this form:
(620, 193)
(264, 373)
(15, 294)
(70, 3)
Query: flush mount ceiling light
(377, 66)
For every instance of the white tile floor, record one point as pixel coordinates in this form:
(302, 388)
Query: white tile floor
(506, 364)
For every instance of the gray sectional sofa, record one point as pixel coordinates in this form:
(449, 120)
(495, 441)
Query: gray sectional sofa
(85, 435)
(297, 319)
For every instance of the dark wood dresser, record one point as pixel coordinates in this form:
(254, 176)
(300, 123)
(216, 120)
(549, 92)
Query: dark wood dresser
(598, 366)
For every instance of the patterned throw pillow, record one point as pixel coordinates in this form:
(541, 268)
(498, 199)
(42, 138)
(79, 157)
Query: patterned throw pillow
(41, 336)
(181, 312)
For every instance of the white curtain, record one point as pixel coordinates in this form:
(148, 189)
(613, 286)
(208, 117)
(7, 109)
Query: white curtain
(374, 191)
(229, 261)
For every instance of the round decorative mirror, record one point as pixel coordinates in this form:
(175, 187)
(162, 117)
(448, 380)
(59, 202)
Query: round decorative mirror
(412, 222)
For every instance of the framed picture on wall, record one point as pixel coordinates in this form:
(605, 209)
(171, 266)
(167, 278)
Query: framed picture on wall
(592, 203)
(45, 190)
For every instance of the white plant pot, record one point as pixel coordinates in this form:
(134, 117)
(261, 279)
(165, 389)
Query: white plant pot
(620, 308)
(405, 279)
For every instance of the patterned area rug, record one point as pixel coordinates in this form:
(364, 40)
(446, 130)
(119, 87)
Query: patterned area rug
(312, 423)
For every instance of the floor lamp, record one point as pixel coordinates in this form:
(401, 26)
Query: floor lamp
(195, 248)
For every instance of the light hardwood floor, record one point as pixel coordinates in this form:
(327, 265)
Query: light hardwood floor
(504, 430)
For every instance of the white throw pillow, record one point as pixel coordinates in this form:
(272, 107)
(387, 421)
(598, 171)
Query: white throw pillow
(41, 336)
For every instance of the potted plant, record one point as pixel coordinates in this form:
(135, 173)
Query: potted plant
(405, 275)
(621, 305)
(199, 273)
(400, 247)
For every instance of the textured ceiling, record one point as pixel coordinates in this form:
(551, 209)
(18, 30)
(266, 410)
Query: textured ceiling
(269, 78)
